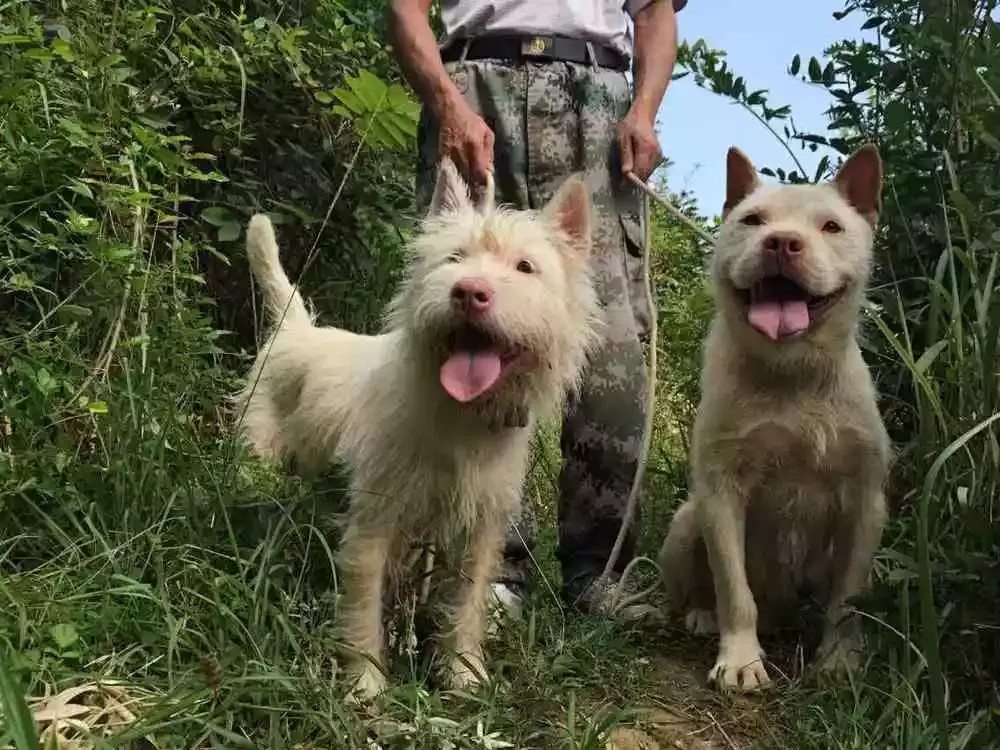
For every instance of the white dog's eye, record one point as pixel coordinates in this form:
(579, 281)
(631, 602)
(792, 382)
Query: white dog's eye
(832, 227)
(525, 267)
(455, 257)
(752, 219)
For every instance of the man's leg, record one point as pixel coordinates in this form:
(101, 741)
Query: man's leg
(573, 112)
(496, 92)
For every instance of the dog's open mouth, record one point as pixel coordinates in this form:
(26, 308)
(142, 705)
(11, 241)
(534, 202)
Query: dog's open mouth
(476, 363)
(780, 309)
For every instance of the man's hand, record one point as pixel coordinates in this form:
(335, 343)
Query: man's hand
(466, 138)
(640, 148)
(655, 53)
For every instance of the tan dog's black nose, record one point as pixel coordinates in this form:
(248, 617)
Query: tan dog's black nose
(784, 243)
(782, 250)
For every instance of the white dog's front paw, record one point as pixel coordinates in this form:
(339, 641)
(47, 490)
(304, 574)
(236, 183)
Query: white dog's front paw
(468, 671)
(369, 684)
(740, 665)
(701, 622)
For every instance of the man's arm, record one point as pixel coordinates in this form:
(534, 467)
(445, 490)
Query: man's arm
(418, 56)
(463, 136)
(655, 55)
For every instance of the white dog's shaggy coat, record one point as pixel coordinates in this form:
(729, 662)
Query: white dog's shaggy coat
(433, 417)
(789, 453)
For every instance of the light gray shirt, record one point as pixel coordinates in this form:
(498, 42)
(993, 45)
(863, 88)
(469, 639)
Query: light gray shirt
(599, 21)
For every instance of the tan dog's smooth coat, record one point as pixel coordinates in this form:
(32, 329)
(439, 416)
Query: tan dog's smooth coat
(433, 417)
(789, 453)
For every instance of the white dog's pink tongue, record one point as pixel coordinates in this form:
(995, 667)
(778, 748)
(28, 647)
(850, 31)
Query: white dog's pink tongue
(466, 374)
(775, 319)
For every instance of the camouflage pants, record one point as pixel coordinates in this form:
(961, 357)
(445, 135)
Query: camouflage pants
(550, 120)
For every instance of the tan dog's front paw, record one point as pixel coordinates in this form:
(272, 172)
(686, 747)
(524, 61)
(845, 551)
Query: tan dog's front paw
(466, 672)
(740, 666)
(701, 622)
(368, 685)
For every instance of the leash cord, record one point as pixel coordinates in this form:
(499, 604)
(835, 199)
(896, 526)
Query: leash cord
(633, 497)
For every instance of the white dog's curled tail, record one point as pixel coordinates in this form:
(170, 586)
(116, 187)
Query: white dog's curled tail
(285, 306)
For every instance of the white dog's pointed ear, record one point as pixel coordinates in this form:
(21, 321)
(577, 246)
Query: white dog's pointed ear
(741, 179)
(450, 191)
(569, 209)
(859, 180)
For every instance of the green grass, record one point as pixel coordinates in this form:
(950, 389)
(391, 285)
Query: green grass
(210, 598)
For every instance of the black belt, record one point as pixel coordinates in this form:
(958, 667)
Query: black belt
(520, 48)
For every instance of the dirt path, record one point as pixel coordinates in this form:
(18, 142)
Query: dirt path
(682, 713)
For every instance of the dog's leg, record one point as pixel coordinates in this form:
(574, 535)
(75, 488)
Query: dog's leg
(466, 665)
(362, 559)
(740, 662)
(684, 572)
(855, 544)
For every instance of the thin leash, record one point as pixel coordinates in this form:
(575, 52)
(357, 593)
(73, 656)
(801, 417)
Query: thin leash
(619, 601)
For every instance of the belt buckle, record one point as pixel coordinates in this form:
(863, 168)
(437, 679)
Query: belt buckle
(536, 46)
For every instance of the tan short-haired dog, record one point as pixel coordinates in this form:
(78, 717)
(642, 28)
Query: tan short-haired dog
(789, 453)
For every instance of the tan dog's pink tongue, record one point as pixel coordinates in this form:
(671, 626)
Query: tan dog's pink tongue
(775, 319)
(466, 375)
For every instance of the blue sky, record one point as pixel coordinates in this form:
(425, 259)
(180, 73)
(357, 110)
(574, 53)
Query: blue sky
(760, 38)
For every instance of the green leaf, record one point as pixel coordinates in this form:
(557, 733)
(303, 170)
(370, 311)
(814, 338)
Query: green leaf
(873, 22)
(964, 206)
(45, 382)
(64, 635)
(229, 231)
(829, 74)
(928, 357)
(19, 721)
(62, 49)
(815, 70)
(78, 223)
(97, 407)
(796, 64)
(990, 140)
(896, 115)
(217, 215)
(81, 188)
(75, 311)
(369, 89)
(821, 168)
(350, 101)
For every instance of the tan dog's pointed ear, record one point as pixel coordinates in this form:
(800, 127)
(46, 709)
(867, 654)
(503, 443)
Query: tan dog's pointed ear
(741, 179)
(569, 209)
(450, 191)
(859, 180)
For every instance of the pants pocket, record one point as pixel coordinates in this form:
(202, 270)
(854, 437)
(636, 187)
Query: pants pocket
(634, 232)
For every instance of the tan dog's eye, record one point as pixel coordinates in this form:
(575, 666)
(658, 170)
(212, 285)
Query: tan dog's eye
(752, 220)
(832, 227)
(525, 267)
